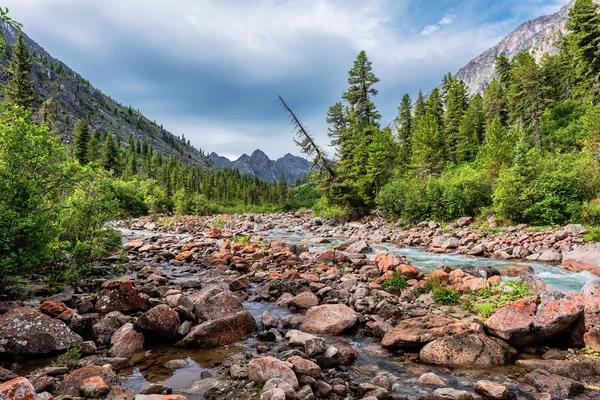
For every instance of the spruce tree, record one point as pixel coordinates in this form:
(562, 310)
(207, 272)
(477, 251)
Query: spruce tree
(283, 189)
(420, 106)
(110, 154)
(456, 105)
(434, 106)
(471, 131)
(93, 149)
(19, 89)
(361, 80)
(81, 138)
(503, 67)
(428, 147)
(338, 124)
(495, 103)
(404, 120)
(584, 35)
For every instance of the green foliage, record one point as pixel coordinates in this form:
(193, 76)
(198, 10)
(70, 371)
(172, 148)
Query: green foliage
(486, 309)
(19, 89)
(73, 354)
(81, 138)
(514, 290)
(446, 296)
(324, 208)
(397, 283)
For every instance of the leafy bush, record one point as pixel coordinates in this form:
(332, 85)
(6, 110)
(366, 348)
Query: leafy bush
(398, 282)
(325, 209)
(304, 196)
(486, 309)
(514, 290)
(444, 295)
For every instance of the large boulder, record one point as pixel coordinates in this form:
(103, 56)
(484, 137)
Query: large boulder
(213, 303)
(331, 319)
(126, 342)
(583, 258)
(526, 321)
(589, 325)
(359, 247)
(120, 295)
(107, 326)
(332, 257)
(221, 331)
(557, 386)
(260, 370)
(417, 332)
(71, 384)
(24, 330)
(304, 300)
(17, 389)
(465, 350)
(161, 322)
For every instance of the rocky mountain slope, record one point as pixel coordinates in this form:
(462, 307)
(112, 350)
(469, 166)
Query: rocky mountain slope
(260, 165)
(76, 98)
(539, 36)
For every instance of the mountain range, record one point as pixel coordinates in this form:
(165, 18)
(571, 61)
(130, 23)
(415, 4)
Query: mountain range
(260, 165)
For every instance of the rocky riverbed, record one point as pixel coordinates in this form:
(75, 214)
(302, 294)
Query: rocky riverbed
(292, 307)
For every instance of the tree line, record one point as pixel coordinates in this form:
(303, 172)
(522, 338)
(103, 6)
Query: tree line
(527, 149)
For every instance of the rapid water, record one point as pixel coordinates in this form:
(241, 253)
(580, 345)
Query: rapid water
(553, 274)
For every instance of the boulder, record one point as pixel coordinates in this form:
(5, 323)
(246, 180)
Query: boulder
(273, 394)
(126, 342)
(359, 247)
(589, 325)
(574, 369)
(465, 350)
(387, 261)
(525, 321)
(214, 303)
(53, 308)
(71, 384)
(417, 332)
(583, 258)
(120, 295)
(491, 390)
(161, 322)
(431, 379)
(559, 387)
(303, 366)
(269, 321)
(454, 394)
(464, 221)
(24, 330)
(17, 389)
(240, 283)
(6, 375)
(93, 387)
(260, 370)
(106, 327)
(304, 300)
(221, 331)
(331, 319)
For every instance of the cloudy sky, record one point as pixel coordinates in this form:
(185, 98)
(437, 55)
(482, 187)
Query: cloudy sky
(210, 68)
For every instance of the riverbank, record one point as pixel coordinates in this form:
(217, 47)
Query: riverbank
(288, 306)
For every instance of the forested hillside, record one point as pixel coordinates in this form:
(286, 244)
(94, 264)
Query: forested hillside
(527, 150)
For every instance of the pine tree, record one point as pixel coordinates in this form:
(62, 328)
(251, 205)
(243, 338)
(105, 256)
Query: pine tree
(81, 138)
(110, 154)
(361, 80)
(471, 131)
(498, 149)
(527, 100)
(584, 36)
(338, 124)
(380, 164)
(434, 106)
(503, 68)
(19, 89)
(283, 189)
(456, 105)
(495, 103)
(93, 149)
(404, 120)
(419, 107)
(428, 147)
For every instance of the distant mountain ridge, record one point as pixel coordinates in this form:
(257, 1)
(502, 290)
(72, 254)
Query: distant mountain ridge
(540, 36)
(76, 98)
(258, 164)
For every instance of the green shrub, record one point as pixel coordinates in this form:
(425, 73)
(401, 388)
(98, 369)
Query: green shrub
(444, 295)
(325, 209)
(486, 309)
(516, 290)
(398, 282)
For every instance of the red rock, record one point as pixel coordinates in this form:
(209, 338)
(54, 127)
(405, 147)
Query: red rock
(330, 319)
(133, 245)
(221, 331)
(212, 303)
(409, 271)
(440, 276)
(260, 370)
(214, 233)
(304, 300)
(332, 257)
(525, 322)
(52, 308)
(583, 258)
(94, 386)
(189, 247)
(126, 342)
(465, 350)
(17, 389)
(387, 261)
(71, 384)
(456, 276)
(24, 330)
(491, 390)
(417, 332)
(184, 256)
(161, 322)
(120, 296)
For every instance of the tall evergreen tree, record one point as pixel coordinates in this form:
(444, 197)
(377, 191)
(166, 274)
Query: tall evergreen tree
(434, 105)
(19, 89)
(81, 138)
(503, 68)
(283, 189)
(495, 103)
(456, 105)
(338, 124)
(428, 147)
(471, 131)
(584, 35)
(361, 80)
(110, 154)
(528, 99)
(420, 106)
(93, 149)
(404, 120)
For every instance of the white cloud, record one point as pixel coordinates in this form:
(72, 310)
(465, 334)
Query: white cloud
(429, 29)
